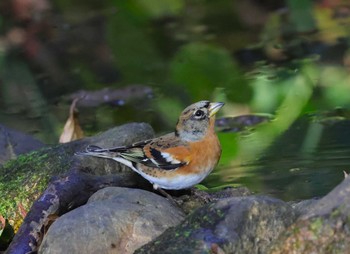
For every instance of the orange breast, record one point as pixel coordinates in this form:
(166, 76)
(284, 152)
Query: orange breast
(202, 155)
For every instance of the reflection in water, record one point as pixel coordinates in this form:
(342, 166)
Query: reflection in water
(290, 171)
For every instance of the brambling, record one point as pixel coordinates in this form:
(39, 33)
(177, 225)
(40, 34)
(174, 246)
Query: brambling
(177, 160)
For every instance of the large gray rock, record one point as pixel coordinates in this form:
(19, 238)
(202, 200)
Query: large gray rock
(115, 220)
(323, 228)
(232, 225)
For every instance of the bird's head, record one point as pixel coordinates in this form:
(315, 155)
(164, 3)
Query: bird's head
(197, 119)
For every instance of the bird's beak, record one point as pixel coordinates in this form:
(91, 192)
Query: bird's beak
(214, 107)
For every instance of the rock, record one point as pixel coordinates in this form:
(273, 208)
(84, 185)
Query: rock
(323, 228)
(230, 192)
(197, 198)
(26, 177)
(13, 143)
(301, 207)
(63, 180)
(231, 225)
(115, 220)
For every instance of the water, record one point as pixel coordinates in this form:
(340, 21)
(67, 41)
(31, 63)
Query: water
(288, 170)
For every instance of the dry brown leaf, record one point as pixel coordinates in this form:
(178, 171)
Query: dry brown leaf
(22, 210)
(72, 130)
(2, 222)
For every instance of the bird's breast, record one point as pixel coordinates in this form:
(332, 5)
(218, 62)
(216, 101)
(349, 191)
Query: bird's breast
(205, 155)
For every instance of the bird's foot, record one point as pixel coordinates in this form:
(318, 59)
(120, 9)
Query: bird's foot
(168, 196)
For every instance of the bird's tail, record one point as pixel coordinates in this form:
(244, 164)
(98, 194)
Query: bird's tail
(97, 151)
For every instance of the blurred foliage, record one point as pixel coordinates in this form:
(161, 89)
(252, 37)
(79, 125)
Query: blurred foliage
(156, 8)
(131, 42)
(300, 87)
(301, 16)
(200, 68)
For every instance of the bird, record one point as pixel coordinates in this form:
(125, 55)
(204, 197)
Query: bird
(174, 161)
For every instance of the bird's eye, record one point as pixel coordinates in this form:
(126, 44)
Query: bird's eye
(199, 113)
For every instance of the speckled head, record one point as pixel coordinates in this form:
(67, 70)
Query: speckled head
(197, 119)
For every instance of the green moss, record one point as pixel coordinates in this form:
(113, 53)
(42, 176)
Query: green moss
(22, 180)
(186, 233)
(203, 219)
(336, 212)
(316, 226)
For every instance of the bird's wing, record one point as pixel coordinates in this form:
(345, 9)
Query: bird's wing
(158, 153)
(156, 157)
(163, 152)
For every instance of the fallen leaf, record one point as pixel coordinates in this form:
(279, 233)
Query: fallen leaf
(2, 222)
(22, 210)
(72, 130)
